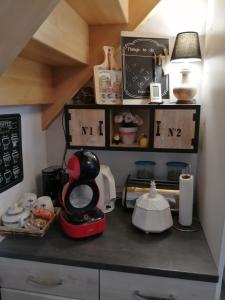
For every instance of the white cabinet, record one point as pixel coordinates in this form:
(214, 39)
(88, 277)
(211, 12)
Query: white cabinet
(126, 286)
(52, 279)
(9, 294)
(28, 280)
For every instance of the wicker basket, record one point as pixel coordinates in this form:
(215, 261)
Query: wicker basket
(5, 230)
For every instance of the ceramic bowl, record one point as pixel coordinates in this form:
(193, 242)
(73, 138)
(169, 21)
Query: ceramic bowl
(15, 220)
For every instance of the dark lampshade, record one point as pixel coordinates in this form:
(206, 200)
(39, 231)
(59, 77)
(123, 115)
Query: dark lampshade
(186, 47)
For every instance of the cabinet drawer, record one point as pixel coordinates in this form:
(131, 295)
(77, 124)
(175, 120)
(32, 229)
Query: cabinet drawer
(9, 294)
(66, 281)
(126, 286)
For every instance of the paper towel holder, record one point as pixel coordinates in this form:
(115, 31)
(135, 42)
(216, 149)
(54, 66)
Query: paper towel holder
(195, 226)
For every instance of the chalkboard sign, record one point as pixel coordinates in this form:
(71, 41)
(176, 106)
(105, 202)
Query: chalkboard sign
(142, 61)
(11, 162)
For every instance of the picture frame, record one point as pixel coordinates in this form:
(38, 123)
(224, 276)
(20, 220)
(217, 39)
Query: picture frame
(144, 60)
(11, 156)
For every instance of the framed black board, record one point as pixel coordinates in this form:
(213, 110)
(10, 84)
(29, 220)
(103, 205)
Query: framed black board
(142, 64)
(11, 158)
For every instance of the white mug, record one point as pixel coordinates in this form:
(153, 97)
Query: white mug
(28, 200)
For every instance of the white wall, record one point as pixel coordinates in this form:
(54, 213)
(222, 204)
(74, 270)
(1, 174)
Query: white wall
(34, 153)
(211, 177)
(167, 19)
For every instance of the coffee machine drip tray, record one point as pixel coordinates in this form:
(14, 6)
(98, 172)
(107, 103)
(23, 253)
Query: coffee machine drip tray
(92, 216)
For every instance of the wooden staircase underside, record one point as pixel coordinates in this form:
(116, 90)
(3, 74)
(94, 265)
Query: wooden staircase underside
(19, 20)
(59, 57)
(70, 80)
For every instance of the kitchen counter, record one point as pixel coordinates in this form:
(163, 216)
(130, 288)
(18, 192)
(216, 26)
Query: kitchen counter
(121, 247)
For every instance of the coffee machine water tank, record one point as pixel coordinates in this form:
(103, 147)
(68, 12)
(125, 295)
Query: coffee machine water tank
(107, 189)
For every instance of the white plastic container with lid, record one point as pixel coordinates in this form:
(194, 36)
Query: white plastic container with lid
(152, 212)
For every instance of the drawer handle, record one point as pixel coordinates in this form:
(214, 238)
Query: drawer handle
(145, 297)
(44, 282)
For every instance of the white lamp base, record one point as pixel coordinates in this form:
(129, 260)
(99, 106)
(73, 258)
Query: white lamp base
(185, 92)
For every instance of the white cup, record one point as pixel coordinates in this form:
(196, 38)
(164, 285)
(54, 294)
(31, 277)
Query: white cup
(28, 200)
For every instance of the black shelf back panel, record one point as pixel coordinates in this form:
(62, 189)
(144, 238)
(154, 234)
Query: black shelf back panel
(11, 158)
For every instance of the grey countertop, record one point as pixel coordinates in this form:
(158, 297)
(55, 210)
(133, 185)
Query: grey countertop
(123, 248)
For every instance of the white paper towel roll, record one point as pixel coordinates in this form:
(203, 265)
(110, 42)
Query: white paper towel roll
(186, 184)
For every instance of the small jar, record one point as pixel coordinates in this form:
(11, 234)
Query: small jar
(145, 169)
(175, 168)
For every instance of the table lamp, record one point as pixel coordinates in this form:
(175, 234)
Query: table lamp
(186, 49)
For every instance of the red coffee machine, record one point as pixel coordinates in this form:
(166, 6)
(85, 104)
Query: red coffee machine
(80, 216)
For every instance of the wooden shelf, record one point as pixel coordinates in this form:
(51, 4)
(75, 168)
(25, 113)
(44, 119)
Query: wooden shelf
(125, 145)
(168, 128)
(132, 147)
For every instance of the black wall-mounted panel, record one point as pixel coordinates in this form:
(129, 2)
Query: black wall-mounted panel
(11, 158)
(141, 65)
